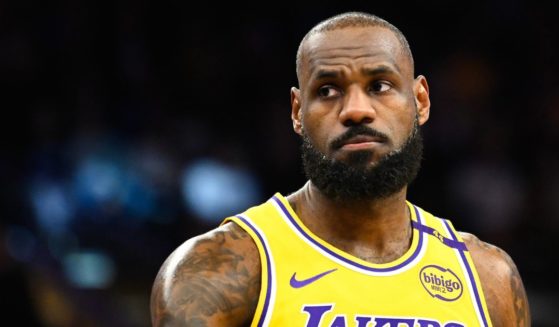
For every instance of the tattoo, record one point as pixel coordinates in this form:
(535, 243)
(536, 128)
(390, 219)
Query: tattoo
(483, 245)
(520, 300)
(214, 278)
(237, 233)
(195, 322)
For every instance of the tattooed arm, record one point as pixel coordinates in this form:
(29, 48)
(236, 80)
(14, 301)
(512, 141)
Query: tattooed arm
(210, 280)
(502, 285)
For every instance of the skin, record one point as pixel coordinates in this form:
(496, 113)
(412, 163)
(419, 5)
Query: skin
(350, 76)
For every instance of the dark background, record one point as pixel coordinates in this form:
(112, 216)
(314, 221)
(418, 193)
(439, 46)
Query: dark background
(110, 109)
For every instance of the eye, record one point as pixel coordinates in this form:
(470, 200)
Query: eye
(381, 86)
(328, 91)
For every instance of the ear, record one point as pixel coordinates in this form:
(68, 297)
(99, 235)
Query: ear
(422, 101)
(296, 113)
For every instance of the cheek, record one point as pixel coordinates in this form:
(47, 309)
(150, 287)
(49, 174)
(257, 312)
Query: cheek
(403, 127)
(397, 121)
(318, 130)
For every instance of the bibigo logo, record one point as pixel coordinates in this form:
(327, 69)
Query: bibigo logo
(441, 283)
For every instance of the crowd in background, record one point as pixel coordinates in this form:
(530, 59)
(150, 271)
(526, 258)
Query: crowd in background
(129, 127)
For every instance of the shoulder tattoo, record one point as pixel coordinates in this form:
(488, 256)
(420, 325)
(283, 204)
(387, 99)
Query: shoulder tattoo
(518, 293)
(520, 300)
(214, 279)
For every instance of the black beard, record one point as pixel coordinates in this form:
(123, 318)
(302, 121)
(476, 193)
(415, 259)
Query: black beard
(356, 180)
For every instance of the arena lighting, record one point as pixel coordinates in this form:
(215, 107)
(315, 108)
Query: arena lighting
(213, 190)
(98, 181)
(52, 206)
(90, 269)
(109, 183)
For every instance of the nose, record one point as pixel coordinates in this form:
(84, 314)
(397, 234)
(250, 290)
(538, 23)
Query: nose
(357, 108)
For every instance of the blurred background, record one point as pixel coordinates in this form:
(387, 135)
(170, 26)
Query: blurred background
(131, 126)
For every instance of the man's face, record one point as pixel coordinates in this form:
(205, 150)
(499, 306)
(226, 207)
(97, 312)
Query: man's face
(358, 102)
(355, 178)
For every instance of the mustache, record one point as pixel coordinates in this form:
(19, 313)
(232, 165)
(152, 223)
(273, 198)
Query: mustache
(356, 131)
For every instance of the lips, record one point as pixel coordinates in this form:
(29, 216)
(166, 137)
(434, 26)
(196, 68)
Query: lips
(360, 142)
(363, 139)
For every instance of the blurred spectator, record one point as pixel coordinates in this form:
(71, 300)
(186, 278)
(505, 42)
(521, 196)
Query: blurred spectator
(106, 107)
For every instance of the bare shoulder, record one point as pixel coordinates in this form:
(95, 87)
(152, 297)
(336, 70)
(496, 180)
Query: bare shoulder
(501, 282)
(210, 280)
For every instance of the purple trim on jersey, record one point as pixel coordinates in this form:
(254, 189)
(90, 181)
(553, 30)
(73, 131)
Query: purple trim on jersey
(470, 275)
(446, 241)
(269, 265)
(344, 259)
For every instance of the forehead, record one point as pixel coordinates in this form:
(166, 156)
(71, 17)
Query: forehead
(369, 45)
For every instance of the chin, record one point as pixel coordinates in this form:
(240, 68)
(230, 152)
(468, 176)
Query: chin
(362, 159)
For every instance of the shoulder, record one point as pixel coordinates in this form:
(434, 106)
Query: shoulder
(501, 282)
(212, 279)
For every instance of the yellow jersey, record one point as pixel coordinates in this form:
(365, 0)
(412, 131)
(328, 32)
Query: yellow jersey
(308, 282)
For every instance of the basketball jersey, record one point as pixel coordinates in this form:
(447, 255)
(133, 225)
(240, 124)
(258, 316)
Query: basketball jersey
(308, 282)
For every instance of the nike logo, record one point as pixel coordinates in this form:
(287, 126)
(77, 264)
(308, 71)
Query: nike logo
(304, 282)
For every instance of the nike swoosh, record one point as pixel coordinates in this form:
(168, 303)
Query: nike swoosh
(304, 282)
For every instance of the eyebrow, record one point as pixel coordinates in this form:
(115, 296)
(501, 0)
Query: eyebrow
(382, 69)
(379, 70)
(326, 74)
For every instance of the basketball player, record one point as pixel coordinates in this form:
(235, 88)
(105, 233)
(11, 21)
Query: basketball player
(348, 248)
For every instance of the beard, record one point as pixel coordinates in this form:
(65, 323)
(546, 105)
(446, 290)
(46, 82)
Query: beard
(356, 179)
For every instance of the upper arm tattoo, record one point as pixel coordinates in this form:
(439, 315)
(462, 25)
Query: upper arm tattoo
(212, 280)
(519, 298)
(520, 309)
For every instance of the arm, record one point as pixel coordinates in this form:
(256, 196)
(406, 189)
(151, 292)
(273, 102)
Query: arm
(501, 282)
(210, 280)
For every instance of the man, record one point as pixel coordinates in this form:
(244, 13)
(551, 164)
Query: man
(347, 249)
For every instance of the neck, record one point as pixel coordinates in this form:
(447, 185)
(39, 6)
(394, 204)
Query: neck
(376, 230)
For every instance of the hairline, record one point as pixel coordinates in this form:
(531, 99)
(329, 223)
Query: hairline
(352, 19)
